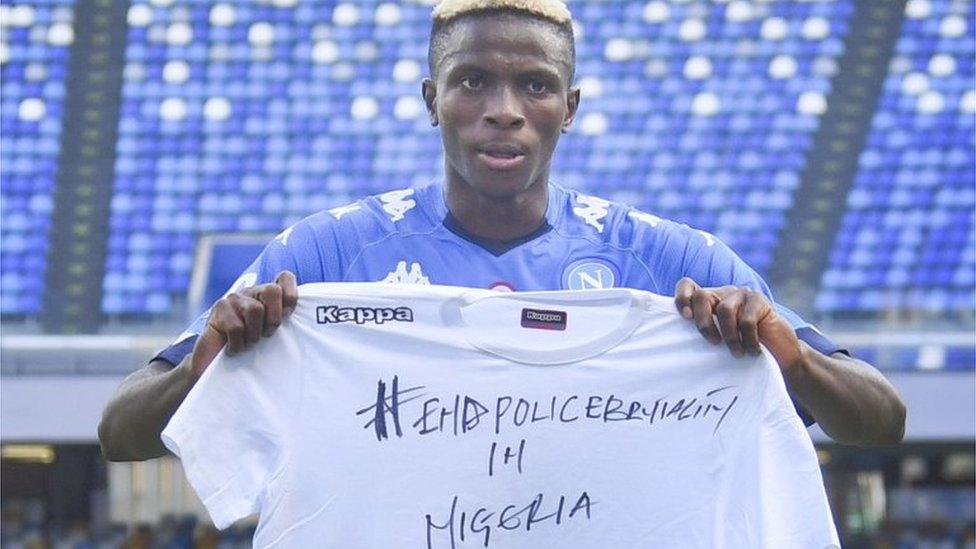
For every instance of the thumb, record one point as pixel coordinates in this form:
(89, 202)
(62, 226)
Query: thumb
(207, 347)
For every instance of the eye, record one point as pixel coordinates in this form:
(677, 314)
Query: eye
(538, 86)
(472, 82)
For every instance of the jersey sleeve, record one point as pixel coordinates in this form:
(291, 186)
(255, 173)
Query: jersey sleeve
(675, 251)
(231, 429)
(297, 249)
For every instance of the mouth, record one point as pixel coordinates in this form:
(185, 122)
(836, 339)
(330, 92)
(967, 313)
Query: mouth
(501, 156)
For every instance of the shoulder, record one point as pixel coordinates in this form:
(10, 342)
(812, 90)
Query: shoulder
(369, 219)
(622, 225)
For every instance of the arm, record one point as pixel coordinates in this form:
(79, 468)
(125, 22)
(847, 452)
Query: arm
(140, 408)
(146, 400)
(851, 400)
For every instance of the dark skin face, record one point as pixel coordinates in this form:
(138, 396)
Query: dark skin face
(501, 98)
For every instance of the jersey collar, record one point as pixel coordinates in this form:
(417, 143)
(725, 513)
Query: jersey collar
(440, 213)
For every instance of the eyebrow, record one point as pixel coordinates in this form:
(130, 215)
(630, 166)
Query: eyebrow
(546, 70)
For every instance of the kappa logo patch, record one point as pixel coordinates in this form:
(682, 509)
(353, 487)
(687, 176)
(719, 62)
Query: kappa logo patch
(333, 314)
(543, 319)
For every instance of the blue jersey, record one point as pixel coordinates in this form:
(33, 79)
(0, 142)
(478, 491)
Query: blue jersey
(585, 242)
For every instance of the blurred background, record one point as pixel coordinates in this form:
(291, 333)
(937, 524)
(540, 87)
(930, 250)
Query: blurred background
(149, 148)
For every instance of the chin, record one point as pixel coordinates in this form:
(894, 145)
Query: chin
(501, 187)
(503, 184)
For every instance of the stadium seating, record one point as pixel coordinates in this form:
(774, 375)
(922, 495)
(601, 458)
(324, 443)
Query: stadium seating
(247, 117)
(703, 112)
(34, 41)
(907, 239)
(919, 357)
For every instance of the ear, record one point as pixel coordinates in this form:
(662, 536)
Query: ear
(429, 91)
(572, 106)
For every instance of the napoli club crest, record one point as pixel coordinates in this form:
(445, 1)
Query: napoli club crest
(590, 274)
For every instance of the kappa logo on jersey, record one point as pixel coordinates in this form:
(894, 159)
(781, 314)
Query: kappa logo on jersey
(592, 211)
(709, 238)
(283, 237)
(333, 314)
(397, 203)
(340, 211)
(654, 220)
(401, 275)
(645, 217)
(589, 274)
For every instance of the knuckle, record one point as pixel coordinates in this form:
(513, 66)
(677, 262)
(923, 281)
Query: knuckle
(250, 291)
(273, 291)
(256, 316)
(221, 307)
(233, 326)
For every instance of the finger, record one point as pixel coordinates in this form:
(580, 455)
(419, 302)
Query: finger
(751, 312)
(206, 348)
(225, 320)
(252, 311)
(289, 292)
(682, 296)
(270, 297)
(702, 303)
(727, 312)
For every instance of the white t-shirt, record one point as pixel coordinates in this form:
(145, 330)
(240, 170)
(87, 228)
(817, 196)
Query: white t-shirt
(432, 416)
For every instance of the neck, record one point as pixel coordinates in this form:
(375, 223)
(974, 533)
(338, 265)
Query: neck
(498, 218)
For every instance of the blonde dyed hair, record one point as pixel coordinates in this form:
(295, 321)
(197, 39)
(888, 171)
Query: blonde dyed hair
(553, 10)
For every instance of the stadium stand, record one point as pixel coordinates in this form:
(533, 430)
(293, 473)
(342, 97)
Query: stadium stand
(907, 240)
(35, 38)
(248, 117)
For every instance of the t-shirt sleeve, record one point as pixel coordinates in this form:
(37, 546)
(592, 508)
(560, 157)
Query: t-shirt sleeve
(231, 429)
(789, 508)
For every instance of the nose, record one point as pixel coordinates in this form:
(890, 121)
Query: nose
(504, 110)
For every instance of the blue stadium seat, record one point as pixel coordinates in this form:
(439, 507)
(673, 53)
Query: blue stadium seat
(35, 37)
(910, 214)
(282, 111)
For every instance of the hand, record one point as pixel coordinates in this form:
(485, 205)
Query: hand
(741, 317)
(238, 320)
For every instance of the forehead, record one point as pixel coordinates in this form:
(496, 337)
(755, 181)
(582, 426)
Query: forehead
(507, 39)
